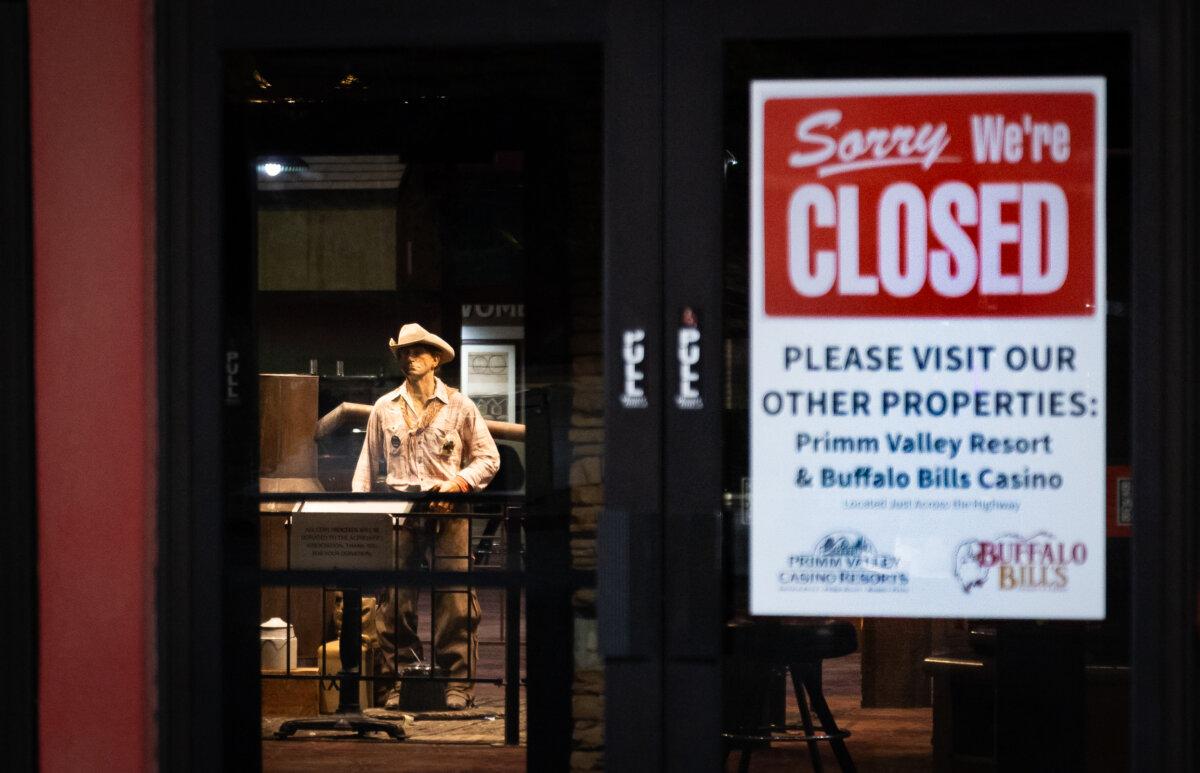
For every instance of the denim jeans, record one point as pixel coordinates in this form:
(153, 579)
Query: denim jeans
(445, 544)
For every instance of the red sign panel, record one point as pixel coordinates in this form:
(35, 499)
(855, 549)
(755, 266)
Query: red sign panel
(930, 205)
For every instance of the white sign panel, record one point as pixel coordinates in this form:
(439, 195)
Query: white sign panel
(927, 348)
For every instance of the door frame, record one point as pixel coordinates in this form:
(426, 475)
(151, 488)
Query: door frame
(18, 549)
(208, 574)
(682, 646)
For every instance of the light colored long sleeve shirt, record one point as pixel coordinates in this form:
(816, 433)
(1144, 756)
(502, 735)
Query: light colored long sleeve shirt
(424, 445)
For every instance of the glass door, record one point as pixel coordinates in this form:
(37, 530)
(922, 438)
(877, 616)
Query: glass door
(412, 250)
(915, 693)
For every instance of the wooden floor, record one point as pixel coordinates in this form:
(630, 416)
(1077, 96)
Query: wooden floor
(882, 739)
(886, 740)
(377, 756)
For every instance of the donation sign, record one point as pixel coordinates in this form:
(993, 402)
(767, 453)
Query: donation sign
(927, 348)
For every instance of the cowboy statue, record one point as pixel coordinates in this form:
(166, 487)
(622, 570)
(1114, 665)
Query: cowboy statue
(429, 437)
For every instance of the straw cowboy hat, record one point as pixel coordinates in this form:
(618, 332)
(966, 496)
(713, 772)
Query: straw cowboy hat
(413, 334)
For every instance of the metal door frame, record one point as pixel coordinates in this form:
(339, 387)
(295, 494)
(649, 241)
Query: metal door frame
(207, 560)
(661, 618)
(18, 549)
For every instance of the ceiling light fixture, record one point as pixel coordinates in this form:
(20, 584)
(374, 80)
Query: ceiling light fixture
(273, 166)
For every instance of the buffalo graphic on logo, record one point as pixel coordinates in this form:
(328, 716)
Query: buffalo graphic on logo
(968, 567)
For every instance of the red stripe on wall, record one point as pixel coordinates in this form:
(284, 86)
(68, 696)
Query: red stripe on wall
(89, 82)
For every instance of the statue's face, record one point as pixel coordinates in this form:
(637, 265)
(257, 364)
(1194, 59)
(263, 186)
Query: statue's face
(418, 360)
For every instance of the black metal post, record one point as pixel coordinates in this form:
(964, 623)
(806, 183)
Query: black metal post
(512, 630)
(1041, 710)
(18, 549)
(350, 643)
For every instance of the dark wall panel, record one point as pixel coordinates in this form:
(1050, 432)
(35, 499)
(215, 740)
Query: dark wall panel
(18, 600)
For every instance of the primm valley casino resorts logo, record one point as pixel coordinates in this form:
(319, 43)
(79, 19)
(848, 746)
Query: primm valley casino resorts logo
(1036, 563)
(843, 561)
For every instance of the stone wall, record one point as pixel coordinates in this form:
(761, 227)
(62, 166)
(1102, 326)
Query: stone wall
(587, 498)
(587, 443)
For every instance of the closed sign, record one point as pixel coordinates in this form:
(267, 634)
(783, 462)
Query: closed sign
(927, 348)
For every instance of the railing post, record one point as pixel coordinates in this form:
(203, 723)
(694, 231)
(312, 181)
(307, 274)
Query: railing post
(512, 628)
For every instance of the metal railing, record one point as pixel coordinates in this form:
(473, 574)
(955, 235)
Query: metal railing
(495, 559)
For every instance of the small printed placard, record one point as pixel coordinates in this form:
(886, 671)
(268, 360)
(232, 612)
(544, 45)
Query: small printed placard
(342, 541)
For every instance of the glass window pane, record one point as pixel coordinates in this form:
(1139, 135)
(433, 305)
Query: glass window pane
(418, 250)
(922, 693)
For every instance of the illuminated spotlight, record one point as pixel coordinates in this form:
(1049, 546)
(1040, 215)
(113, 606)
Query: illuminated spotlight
(273, 166)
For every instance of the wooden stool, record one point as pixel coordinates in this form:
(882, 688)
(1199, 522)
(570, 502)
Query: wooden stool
(758, 653)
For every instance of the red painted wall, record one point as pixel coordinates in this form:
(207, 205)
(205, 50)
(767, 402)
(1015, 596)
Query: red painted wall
(90, 81)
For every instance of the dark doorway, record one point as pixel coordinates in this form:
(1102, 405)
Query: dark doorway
(451, 188)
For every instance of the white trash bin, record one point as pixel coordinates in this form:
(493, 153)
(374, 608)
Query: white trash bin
(279, 645)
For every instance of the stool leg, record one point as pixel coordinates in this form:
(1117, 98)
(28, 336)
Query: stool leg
(744, 760)
(751, 703)
(812, 682)
(814, 750)
(759, 708)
